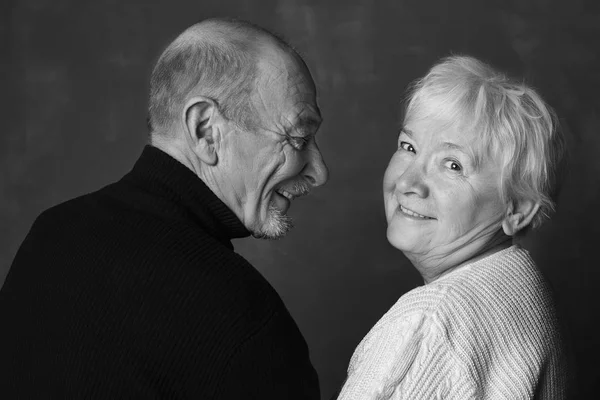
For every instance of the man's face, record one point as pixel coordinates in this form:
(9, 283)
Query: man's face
(279, 159)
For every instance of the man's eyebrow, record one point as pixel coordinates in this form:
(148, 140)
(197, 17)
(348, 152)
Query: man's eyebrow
(308, 125)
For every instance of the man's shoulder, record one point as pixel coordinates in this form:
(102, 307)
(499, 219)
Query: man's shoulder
(214, 286)
(226, 279)
(82, 205)
(173, 260)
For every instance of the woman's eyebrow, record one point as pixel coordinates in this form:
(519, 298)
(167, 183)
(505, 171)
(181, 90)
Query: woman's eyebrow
(408, 132)
(457, 147)
(475, 161)
(454, 146)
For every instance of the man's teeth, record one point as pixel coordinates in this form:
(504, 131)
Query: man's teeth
(412, 213)
(285, 194)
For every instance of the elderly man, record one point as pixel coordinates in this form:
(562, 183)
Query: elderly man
(134, 291)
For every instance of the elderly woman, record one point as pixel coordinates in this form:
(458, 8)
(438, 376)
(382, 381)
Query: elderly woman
(475, 167)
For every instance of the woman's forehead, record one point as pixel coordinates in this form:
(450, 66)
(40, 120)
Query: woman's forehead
(439, 129)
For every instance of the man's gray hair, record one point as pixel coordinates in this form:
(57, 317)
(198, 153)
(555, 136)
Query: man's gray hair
(216, 59)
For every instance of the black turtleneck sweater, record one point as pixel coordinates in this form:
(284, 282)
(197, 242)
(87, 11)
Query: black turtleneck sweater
(134, 291)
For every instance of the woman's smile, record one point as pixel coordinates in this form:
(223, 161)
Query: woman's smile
(413, 214)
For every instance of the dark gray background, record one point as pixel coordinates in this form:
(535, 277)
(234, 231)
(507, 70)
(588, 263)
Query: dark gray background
(75, 80)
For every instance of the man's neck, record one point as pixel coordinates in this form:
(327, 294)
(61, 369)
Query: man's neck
(175, 150)
(181, 153)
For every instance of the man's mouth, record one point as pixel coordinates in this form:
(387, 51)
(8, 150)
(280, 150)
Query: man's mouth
(294, 190)
(285, 194)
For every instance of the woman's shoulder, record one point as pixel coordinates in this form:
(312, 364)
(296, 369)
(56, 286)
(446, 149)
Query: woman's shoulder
(503, 278)
(500, 288)
(503, 295)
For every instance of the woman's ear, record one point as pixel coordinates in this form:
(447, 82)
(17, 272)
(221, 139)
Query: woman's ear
(519, 215)
(201, 124)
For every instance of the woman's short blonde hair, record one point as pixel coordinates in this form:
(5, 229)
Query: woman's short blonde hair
(511, 121)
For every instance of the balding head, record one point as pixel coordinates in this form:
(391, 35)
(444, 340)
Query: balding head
(238, 107)
(217, 59)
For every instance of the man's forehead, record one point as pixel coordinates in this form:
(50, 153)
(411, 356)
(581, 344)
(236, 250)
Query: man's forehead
(286, 91)
(275, 61)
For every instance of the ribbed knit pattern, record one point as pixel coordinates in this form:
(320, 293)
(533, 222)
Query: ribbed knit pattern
(135, 291)
(487, 330)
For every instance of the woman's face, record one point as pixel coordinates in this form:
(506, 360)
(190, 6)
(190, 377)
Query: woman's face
(438, 200)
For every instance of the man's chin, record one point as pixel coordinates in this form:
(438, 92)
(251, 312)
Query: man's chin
(277, 225)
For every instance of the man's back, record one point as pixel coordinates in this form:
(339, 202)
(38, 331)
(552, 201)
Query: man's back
(135, 290)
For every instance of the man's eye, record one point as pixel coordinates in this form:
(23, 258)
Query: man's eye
(407, 146)
(299, 143)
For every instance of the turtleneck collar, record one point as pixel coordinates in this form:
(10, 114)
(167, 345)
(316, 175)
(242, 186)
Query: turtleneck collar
(165, 177)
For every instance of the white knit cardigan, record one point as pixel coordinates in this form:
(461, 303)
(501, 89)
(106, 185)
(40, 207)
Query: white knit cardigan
(487, 330)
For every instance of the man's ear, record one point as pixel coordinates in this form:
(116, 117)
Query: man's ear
(201, 115)
(519, 215)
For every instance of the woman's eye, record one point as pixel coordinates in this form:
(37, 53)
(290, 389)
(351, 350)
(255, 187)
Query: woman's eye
(453, 165)
(407, 146)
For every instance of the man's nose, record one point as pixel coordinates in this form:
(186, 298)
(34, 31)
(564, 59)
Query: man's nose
(315, 171)
(413, 181)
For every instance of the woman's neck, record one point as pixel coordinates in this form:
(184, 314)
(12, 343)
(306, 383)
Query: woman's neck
(433, 268)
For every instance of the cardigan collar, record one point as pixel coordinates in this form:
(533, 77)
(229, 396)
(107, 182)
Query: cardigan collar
(163, 176)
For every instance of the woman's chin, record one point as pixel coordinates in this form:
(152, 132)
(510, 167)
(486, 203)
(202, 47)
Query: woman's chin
(399, 238)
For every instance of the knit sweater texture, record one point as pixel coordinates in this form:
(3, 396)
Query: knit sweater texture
(135, 291)
(487, 330)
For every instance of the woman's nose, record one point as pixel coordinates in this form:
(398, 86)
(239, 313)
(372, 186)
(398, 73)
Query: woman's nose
(412, 182)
